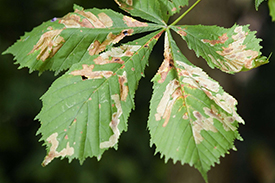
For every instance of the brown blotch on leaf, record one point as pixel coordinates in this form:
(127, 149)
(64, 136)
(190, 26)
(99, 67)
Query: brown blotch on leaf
(235, 55)
(130, 22)
(105, 19)
(74, 21)
(174, 9)
(48, 44)
(87, 72)
(221, 40)
(114, 124)
(124, 90)
(89, 20)
(68, 151)
(96, 47)
(202, 123)
(181, 31)
(167, 63)
(170, 95)
(114, 55)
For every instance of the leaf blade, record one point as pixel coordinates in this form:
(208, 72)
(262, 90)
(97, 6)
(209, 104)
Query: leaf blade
(230, 50)
(88, 107)
(61, 42)
(192, 120)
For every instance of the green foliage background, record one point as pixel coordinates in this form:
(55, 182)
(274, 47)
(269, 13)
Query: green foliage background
(21, 154)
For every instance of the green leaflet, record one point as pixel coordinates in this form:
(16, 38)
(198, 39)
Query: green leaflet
(87, 108)
(157, 11)
(231, 50)
(192, 120)
(57, 44)
(271, 5)
(257, 3)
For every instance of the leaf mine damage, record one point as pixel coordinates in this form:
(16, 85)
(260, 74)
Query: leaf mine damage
(236, 56)
(96, 47)
(221, 40)
(114, 55)
(201, 123)
(48, 44)
(181, 31)
(87, 72)
(87, 20)
(198, 79)
(167, 63)
(123, 88)
(170, 95)
(130, 22)
(114, 124)
(68, 151)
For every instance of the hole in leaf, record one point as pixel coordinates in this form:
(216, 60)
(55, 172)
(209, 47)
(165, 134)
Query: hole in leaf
(84, 78)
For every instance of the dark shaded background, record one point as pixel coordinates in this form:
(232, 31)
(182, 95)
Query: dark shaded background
(21, 154)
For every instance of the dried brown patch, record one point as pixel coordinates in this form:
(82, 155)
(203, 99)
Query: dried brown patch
(68, 151)
(221, 40)
(124, 90)
(74, 21)
(194, 76)
(48, 44)
(105, 19)
(235, 55)
(95, 48)
(114, 124)
(181, 31)
(130, 22)
(167, 63)
(114, 55)
(201, 123)
(89, 20)
(170, 95)
(88, 72)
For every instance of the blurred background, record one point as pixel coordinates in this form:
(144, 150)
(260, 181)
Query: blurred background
(21, 153)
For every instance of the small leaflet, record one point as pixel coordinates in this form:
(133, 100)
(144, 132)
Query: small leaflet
(68, 151)
(87, 72)
(48, 44)
(114, 124)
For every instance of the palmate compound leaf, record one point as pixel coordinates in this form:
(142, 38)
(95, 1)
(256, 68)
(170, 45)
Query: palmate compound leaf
(231, 50)
(86, 109)
(57, 44)
(192, 119)
(157, 11)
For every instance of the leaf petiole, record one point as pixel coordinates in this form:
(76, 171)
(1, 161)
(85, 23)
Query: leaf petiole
(187, 11)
